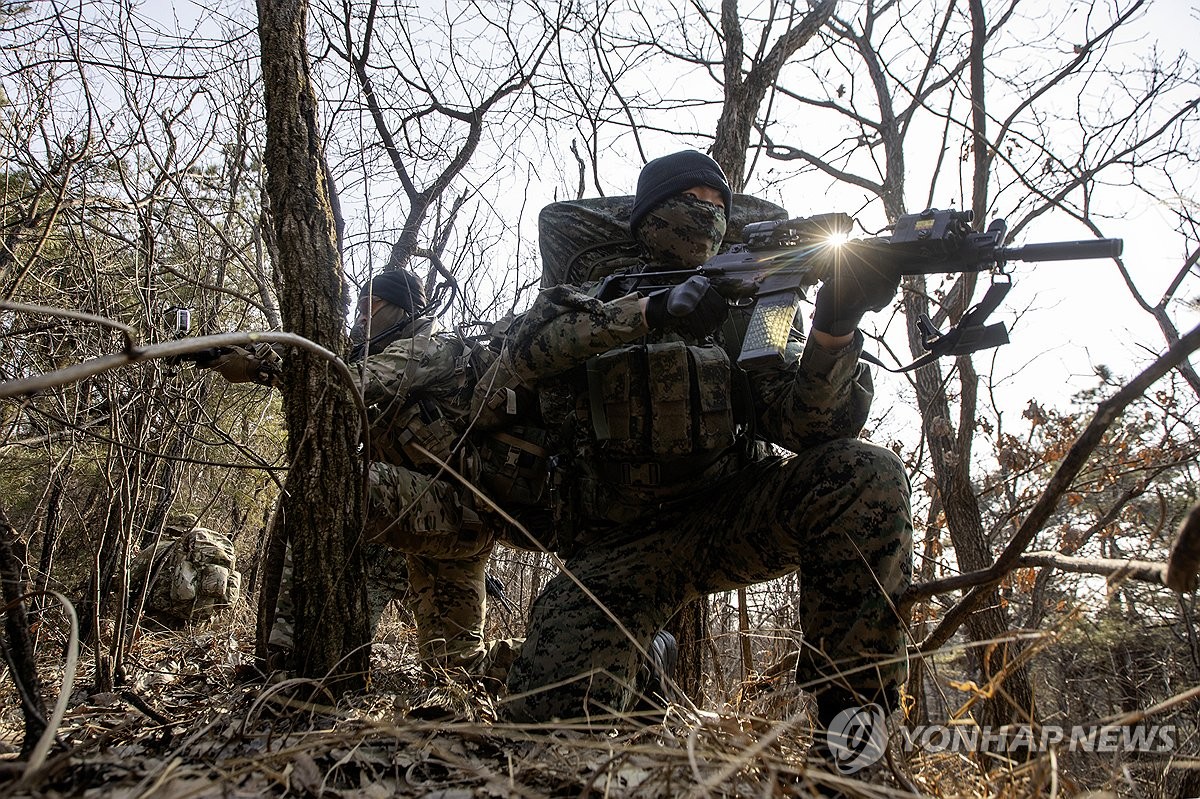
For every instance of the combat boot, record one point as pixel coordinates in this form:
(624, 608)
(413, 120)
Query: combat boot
(657, 675)
(849, 746)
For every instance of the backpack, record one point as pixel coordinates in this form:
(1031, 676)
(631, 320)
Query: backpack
(191, 577)
(512, 464)
(583, 241)
(438, 380)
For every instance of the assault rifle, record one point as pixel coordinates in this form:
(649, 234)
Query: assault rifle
(779, 260)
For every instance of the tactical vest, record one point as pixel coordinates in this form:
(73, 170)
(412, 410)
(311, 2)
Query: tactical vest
(663, 402)
(510, 464)
(643, 425)
(639, 422)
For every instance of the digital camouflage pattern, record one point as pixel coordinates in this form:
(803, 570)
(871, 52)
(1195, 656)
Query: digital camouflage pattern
(682, 232)
(585, 240)
(837, 510)
(192, 574)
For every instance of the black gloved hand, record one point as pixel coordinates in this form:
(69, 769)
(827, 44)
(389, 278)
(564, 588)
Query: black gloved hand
(205, 359)
(694, 307)
(846, 296)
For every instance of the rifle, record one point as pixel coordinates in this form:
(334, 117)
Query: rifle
(779, 260)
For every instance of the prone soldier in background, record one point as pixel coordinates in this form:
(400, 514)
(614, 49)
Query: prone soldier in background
(187, 575)
(425, 529)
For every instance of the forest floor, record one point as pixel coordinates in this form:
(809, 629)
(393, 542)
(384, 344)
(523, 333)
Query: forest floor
(195, 719)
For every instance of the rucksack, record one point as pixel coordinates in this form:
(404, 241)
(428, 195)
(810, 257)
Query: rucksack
(583, 241)
(191, 577)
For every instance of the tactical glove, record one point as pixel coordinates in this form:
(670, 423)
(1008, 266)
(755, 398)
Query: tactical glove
(847, 295)
(258, 364)
(694, 307)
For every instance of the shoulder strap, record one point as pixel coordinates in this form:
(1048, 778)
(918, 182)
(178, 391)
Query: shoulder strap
(969, 335)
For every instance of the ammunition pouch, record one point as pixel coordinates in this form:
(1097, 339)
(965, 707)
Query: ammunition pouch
(515, 465)
(659, 401)
(394, 434)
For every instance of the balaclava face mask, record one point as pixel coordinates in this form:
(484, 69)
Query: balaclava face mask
(682, 232)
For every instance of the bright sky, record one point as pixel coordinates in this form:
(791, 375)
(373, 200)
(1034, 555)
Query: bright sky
(1079, 313)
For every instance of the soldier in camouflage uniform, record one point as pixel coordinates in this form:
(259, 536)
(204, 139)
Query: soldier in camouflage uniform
(425, 533)
(664, 485)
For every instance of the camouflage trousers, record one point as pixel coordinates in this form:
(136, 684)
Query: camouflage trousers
(447, 546)
(839, 514)
(426, 547)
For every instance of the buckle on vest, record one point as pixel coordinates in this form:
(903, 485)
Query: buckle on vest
(641, 474)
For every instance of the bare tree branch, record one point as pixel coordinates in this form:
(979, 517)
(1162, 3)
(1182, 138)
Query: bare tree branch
(1106, 413)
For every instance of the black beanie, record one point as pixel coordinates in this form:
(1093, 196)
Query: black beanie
(665, 177)
(401, 288)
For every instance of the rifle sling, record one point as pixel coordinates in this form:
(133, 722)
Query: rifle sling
(969, 335)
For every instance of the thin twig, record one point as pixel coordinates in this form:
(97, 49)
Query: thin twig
(103, 321)
(1075, 459)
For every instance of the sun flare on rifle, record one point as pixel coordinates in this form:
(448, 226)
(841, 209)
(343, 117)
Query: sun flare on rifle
(836, 238)
(784, 255)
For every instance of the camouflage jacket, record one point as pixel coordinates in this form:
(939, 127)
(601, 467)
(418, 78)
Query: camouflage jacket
(568, 355)
(418, 390)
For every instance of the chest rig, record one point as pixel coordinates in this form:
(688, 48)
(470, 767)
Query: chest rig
(662, 401)
(430, 419)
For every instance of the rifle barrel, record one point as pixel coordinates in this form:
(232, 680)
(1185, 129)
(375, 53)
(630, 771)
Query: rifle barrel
(1065, 250)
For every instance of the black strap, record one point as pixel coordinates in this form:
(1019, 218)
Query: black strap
(969, 335)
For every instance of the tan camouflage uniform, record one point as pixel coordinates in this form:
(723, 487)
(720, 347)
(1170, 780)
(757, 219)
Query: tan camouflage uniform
(420, 511)
(669, 502)
(424, 541)
(192, 573)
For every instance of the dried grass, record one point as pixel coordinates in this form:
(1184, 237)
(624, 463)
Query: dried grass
(189, 724)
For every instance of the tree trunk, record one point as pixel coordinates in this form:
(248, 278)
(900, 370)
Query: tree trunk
(744, 635)
(19, 652)
(951, 456)
(51, 526)
(690, 628)
(321, 510)
(745, 89)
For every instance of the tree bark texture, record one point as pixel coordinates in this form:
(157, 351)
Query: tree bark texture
(745, 89)
(950, 453)
(19, 652)
(322, 505)
(690, 627)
